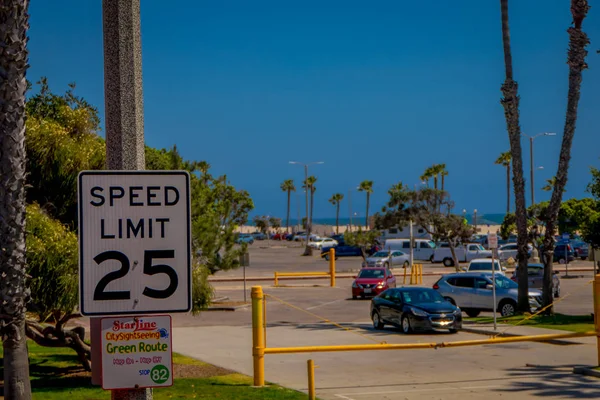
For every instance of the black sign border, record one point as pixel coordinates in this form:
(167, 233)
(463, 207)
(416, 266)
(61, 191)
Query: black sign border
(80, 237)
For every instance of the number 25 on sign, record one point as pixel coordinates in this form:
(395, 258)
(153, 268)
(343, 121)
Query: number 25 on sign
(134, 242)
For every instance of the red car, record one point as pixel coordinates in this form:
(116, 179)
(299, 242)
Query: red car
(372, 281)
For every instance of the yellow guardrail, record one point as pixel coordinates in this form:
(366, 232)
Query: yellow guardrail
(331, 272)
(416, 274)
(259, 348)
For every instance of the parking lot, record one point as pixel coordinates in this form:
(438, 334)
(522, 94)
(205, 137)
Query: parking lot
(515, 371)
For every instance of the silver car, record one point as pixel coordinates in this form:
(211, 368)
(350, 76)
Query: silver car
(472, 292)
(535, 277)
(382, 259)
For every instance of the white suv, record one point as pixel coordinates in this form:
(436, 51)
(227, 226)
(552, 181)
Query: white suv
(485, 265)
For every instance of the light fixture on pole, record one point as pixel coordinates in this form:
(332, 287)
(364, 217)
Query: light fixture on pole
(475, 219)
(308, 250)
(531, 138)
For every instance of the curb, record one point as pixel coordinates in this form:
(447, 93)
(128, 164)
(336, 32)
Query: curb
(480, 331)
(588, 371)
(226, 308)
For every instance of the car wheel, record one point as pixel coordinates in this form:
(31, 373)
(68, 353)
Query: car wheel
(453, 330)
(406, 264)
(561, 260)
(507, 308)
(557, 292)
(354, 297)
(377, 323)
(448, 262)
(405, 324)
(583, 258)
(431, 259)
(472, 313)
(327, 257)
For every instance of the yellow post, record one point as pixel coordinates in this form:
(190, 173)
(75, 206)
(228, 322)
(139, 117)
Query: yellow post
(413, 270)
(404, 281)
(311, 380)
(597, 312)
(332, 266)
(276, 280)
(421, 273)
(258, 339)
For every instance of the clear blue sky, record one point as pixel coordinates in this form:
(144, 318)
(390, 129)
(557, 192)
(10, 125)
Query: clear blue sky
(378, 90)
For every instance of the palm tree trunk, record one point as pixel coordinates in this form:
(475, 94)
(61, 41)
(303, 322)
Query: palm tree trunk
(435, 182)
(578, 40)
(443, 176)
(337, 218)
(508, 189)
(510, 102)
(287, 221)
(367, 213)
(14, 23)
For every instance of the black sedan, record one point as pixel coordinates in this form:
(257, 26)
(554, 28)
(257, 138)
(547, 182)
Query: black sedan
(415, 309)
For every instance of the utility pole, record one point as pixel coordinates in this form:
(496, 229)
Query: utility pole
(124, 118)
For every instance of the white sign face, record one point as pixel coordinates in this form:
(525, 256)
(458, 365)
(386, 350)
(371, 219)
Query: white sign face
(492, 241)
(137, 352)
(134, 242)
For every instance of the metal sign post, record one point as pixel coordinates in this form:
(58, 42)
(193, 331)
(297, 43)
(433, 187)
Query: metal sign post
(493, 246)
(412, 240)
(566, 239)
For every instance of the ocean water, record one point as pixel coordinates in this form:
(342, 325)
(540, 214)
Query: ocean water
(482, 219)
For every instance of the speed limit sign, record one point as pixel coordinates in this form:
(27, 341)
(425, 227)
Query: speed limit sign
(134, 242)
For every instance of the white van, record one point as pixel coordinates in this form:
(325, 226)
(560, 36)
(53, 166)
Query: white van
(423, 249)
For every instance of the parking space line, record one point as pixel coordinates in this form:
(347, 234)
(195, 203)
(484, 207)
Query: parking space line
(323, 304)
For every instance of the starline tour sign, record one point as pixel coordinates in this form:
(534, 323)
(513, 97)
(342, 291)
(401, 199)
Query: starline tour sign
(136, 352)
(134, 242)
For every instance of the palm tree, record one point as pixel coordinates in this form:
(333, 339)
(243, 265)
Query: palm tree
(427, 175)
(510, 102)
(504, 160)
(14, 23)
(367, 187)
(335, 200)
(443, 173)
(578, 40)
(288, 186)
(550, 183)
(309, 184)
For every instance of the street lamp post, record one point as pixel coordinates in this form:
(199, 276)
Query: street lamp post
(308, 250)
(531, 169)
(475, 219)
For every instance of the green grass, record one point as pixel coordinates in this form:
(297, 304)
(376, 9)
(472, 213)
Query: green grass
(571, 323)
(56, 375)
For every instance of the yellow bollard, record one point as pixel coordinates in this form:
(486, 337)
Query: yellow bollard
(421, 274)
(276, 280)
(258, 339)
(332, 266)
(597, 312)
(311, 380)
(404, 281)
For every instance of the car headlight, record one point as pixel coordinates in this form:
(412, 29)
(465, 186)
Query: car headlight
(418, 312)
(457, 311)
(354, 285)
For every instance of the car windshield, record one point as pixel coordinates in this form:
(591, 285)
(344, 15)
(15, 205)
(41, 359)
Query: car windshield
(432, 244)
(480, 247)
(381, 254)
(371, 273)
(422, 296)
(503, 282)
(483, 266)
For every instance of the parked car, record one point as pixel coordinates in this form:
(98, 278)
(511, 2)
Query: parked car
(341, 251)
(423, 249)
(510, 250)
(484, 265)
(279, 236)
(258, 235)
(372, 281)
(581, 249)
(562, 252)
(321, 242)
(382, 259)
(302, 237)
(472, 292)
(338, 238)
(244, 238)
(464, 253)
(415, 309)
(535, 277)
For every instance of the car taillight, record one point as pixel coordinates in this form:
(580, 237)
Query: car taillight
(436, 286)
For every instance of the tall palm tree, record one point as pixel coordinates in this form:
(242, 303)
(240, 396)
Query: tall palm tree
(288, 186)
(427, 175)
(443, 174)
(578, 40)
(504, 160)
(14, 23)
(510, 102)
(367, 187)
(335, 200)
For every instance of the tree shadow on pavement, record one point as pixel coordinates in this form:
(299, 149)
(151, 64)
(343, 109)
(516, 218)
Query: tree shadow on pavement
(554, 381)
